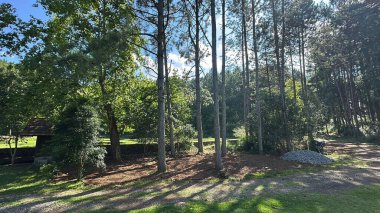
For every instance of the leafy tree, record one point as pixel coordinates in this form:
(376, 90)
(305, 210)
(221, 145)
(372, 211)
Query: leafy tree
(76, 139)
(14, 108)
(99, 58)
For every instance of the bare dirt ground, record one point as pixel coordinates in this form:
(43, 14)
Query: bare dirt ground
(190, 167)
(182, 183)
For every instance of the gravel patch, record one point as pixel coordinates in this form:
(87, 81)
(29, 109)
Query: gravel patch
(306, 156)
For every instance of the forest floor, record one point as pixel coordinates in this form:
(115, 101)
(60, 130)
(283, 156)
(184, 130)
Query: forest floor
(134, 185)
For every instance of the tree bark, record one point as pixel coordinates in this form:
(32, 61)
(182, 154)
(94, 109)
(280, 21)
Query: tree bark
(289, 145)
(245, 118)
(279, 71)
(114, 134)
(160, 84)
(307, 105)
(224, 118)
(112, 123)
(293, 77)
(218, 154)
(197, 80)
(247, 77)
(267, 69)
(258, 98)
(169, 104)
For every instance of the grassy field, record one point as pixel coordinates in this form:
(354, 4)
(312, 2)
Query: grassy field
(123, 141)
(362, 199)
(23, 179)
(30, 142)
(27, 142)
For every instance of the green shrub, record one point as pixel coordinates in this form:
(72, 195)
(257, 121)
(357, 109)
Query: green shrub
(239, 132)
(48, 170)
(184, 135)
(76, 139)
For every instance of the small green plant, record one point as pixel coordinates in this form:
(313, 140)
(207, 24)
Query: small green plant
(48, 171)
(184, 135)
(239, 132)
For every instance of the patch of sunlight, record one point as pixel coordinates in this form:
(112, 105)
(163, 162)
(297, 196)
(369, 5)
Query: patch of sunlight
(259, 188)
(268, 205)
(17, 202)
(16, 186)
(347, 160)
(294, 184)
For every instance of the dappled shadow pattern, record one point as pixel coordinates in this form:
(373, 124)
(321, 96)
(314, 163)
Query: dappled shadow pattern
(190, 167)
(115, 192)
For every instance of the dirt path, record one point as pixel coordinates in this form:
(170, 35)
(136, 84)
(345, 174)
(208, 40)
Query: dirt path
(141, 196)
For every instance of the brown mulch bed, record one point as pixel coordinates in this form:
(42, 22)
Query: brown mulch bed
(189, 167)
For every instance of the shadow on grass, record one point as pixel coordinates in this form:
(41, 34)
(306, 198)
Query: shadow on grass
(363, 199)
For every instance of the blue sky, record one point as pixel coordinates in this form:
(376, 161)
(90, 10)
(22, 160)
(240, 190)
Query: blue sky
(25, 9)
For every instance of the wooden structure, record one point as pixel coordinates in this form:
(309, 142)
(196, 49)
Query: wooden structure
(40, 128)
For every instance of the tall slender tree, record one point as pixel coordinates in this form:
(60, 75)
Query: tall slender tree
(258, 98)
(224, 131)
(160, 84)
(218, 154)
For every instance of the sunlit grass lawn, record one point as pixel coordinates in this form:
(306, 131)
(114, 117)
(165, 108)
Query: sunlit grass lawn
(26, 142)
(362, 199)
(30, 142)
(123, 141)
(25, 180)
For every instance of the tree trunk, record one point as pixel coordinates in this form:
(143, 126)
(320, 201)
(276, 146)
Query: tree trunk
(293, 77)
(267, 69)
(258, 98)
(289, 145)
(245, 120)
(218, 154)
(197, 80)
(114, 134)
(307, 105)
(169, 103)
(160, 84)
(247, 77)
(112, 123)
(224, 131)
(279, 71)
(14, 151)
(300, 60)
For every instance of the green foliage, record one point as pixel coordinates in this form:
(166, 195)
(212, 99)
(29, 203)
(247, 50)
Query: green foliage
(239, 132)
(48, 170)
(234, 102)
(184, 135)
(14, 110)
(76, 139)
(142, 109)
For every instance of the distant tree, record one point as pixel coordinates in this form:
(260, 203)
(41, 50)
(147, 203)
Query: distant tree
(14, 108)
